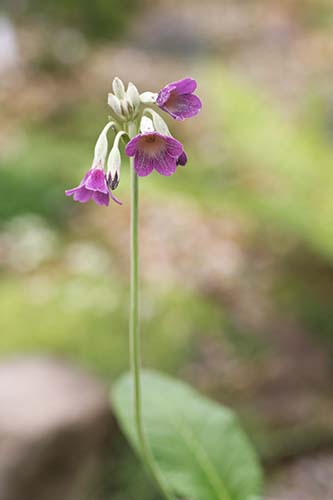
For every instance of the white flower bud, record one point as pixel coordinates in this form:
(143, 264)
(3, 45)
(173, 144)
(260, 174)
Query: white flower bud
(114, 163)
(146, 125)
(133, 95)
(101, 147)
(124, 107)
(115, 105)
(118, 88)
(148, 97)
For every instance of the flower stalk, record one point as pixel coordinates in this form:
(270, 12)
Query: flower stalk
(151, 147)
(134, 330)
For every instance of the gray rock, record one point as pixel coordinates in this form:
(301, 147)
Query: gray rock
(55, 422)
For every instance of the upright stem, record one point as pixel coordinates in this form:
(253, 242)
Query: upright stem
(134, 331)
(134, 303)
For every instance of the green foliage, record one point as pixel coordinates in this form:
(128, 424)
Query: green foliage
(33, 180)
(42, 196)
(284, 171)
(86, 320)
(198, 444)
(98, 18)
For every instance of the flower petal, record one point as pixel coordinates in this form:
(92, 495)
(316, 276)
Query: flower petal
(70, 192)
(165, 165)
(96, 181)
(174, 147)
(83, 195)
(132, 146)
(183, 106)
(184, 86)
(101, 198)
(115, 199)
(143, 165)
(79, 193)
(164, 95)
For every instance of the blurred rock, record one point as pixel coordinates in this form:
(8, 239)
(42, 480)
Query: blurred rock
(55, 422)
(308, 478)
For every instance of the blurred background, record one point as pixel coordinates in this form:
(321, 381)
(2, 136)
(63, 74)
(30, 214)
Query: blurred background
(236, 248)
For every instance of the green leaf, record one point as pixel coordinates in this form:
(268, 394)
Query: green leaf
(201, 451)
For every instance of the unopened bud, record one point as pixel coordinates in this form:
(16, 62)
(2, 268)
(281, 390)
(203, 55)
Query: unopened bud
(115, 105)
(113, 183)
(133, 96)
(118, 88)
(148, 97)
(124, 104)
(114, 163)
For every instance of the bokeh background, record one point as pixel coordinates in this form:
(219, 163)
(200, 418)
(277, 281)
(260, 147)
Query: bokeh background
(236, 248)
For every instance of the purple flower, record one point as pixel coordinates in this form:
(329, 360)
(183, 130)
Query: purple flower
(178, 100)
(153, 150)
(92, 187)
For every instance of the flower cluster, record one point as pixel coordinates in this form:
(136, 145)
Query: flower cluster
(152, 148)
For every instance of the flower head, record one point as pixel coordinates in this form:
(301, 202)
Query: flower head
(178, 100)
(92, 187)
(154, 151)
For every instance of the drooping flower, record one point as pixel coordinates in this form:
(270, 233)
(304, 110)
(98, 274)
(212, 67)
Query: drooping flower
(93, 187)
(154, 151)
(178, 100)
(94, 184)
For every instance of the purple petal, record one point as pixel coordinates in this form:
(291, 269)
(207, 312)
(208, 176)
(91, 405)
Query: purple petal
(174, 147)
(165, 165)
(132, 145)
(164, 95)
(80, 194)
(183, 106)
(184, 86)
(143, 165)
(101, 198)
(69, 192)
(114, 198)
(96, 181)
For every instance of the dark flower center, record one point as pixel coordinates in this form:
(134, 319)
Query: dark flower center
(152, 144)
(150, 138)
(174, 101)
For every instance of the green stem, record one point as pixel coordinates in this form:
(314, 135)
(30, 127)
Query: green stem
(134, 332)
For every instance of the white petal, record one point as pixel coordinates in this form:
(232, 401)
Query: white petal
(114, 160)
(148, 97)
(159, 123)
(133, 95)
(146, 125)
(114, 104)
(118, 88)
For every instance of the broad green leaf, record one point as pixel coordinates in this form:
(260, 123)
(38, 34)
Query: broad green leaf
(202, 452)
